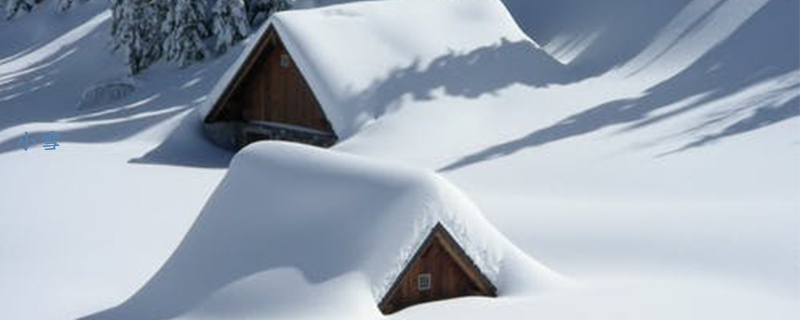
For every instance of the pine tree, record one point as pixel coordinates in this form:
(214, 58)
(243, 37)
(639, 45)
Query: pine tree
(260, 10)
(229, 21)
(127, 33)
(116, 17)
(13, 7)
(136, 31)
(185, 30)
(159, 10)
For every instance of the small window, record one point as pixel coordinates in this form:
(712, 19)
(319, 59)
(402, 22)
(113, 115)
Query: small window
(424, 282)
(284, 60)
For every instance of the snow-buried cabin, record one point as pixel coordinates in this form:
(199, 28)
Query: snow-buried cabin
(382, 236)
(317, 76)
(440, 269)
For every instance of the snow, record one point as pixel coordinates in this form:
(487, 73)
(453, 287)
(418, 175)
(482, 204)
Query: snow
(229, 23)
(185, 29)
(656, 171)
(327, 215)
(104, 93)
(364, 43)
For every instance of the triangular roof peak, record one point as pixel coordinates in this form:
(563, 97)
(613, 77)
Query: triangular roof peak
(440, 269)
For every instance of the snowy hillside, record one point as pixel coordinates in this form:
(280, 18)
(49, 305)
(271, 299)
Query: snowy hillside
(654, 171)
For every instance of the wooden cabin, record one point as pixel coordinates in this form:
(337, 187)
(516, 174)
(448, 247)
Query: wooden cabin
(440, 269)
(268, 99)
(319, 75)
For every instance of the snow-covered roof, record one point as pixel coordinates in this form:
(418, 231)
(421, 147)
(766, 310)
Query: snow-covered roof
(346, 51)
(327, 214)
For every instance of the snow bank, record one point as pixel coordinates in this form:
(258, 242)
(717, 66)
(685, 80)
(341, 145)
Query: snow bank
(357, 57)
(326, 214)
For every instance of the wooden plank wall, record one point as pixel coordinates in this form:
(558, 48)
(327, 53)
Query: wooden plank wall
(276, 93)
(448, 280)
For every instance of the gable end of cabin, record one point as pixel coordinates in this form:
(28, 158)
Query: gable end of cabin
(268, 99)
(440, 269)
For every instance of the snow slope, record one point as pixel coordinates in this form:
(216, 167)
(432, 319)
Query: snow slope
(326, 215)
(661, 177)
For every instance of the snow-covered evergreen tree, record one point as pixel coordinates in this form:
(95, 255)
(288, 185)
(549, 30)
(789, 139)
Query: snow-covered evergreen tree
(185, 30)
(13, 7)
(136, 31)
(229, 23)
(159, 9)
(259, 10)
(116, 16)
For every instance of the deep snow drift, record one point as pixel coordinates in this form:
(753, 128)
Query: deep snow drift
(327, 215)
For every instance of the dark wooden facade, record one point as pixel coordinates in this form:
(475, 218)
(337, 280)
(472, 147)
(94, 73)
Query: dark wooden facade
(270, 89)
(438, 270)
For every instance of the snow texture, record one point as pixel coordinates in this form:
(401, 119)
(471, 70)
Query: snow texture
(137, 32)
(14, 7)
(64, 5)
(325, 214)
(346, 66)
(104, 93)
(185, 31)
(657, 168)
(229, 23)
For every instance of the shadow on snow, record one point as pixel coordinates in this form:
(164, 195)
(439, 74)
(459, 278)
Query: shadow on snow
(747, 58)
